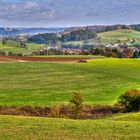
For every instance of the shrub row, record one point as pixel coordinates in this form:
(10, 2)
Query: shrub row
(63, 111)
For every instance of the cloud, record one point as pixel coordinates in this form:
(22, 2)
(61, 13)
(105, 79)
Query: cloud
(68, 12)
(30, 11)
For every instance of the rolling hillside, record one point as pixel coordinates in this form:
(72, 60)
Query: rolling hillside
(111, 37)
(99, 81)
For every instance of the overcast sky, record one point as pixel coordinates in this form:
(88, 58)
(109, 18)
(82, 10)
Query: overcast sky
(62, 13)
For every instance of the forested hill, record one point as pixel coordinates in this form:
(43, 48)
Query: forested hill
(103, 28)
(77, 35)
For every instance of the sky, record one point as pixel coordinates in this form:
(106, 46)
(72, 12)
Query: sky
(67, 13)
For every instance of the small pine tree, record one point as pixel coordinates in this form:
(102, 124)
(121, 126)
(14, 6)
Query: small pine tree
(77, 102)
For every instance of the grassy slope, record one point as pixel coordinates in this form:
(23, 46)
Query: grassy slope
(99, 81)
(13, 127)
(121, 34)
(12, 46)
(127, 117)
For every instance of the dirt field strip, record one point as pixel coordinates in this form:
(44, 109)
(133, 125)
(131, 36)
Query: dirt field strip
(3, 60)
(37, 59)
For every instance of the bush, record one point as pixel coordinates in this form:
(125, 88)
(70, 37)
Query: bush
(130, 100)
(105, 110)
(55, 112)
(19, 54)
(2, 52)
(11, 54)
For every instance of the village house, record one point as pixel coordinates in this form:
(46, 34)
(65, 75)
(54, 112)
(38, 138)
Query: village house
(72, 51)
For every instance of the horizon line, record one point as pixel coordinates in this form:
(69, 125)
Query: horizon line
(68, 26)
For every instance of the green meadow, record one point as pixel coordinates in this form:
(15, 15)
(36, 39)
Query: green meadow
(100, 81)
(118, 127)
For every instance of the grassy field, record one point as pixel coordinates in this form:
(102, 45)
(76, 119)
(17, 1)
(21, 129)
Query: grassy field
(13, 47)
(114, 128)
(100, 81)
(111, 36)
(75, 56)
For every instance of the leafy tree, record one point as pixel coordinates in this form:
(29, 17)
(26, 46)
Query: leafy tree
(4, 42)
(136, 54)
(98, 51)
(133, 41)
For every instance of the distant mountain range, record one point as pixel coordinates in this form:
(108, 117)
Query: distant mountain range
(29, 31)
(33, 31)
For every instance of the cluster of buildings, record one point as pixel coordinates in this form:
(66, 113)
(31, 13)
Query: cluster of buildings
(123, 46)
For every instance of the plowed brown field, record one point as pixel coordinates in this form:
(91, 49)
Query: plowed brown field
(37, 59)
